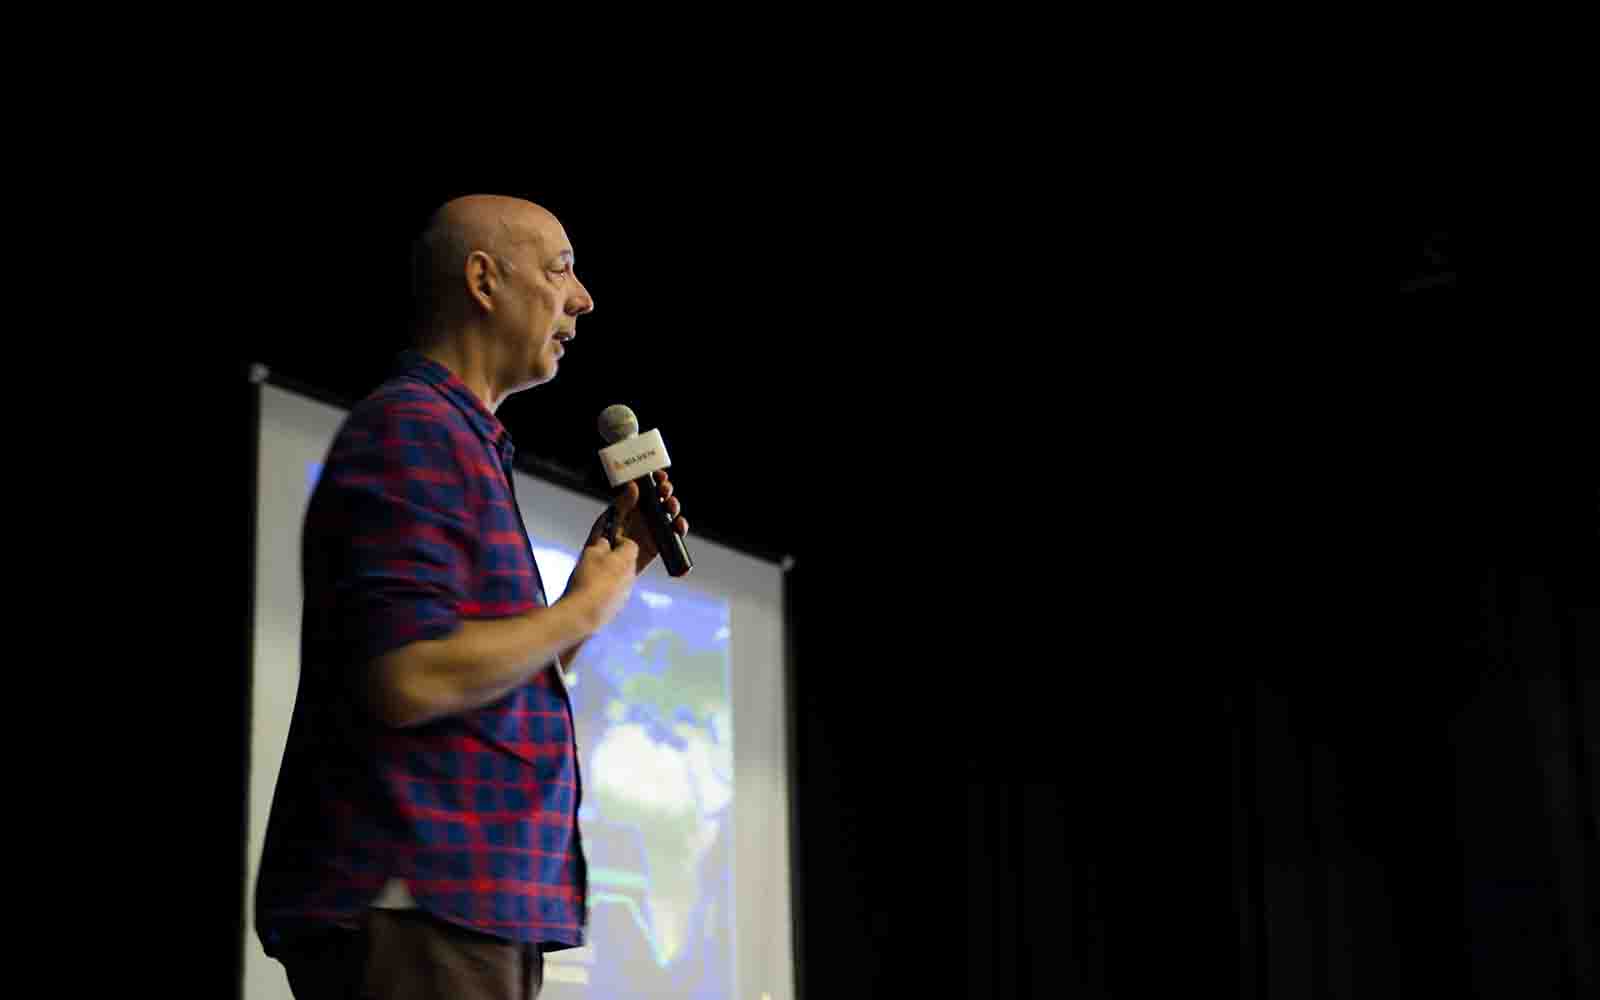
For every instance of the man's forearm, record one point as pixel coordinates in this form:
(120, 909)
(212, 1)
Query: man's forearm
(480, 663)
(571, 655)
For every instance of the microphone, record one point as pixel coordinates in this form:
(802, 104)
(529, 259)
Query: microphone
(630, 455)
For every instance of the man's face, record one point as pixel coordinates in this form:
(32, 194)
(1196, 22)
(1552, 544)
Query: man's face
(542, 310)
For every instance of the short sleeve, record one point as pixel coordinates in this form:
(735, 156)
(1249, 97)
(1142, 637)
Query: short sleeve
(396, 546)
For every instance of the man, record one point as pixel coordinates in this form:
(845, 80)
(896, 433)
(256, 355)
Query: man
(423, 840)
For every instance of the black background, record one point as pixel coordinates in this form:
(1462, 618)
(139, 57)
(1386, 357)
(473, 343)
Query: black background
(1194, 554)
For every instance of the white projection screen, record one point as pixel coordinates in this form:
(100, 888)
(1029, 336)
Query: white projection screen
(682, 733)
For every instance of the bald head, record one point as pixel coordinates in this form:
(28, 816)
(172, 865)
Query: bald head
(494, 224)
(497, 293)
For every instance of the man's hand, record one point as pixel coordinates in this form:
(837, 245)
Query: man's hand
(604, 577)
(631, 518)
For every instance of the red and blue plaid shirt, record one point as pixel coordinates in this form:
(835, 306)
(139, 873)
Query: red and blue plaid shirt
(413, 526)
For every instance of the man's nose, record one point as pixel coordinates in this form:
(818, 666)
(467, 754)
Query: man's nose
(581, 303)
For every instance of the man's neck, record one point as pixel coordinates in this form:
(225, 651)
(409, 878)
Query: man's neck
(468, 364)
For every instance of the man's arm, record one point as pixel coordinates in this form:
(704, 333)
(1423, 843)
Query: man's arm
(484, 660)
(571, 655)
(389, 505)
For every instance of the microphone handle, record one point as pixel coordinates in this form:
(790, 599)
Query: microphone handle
(674, 554)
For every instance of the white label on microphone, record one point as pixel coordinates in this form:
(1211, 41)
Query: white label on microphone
(633, 457)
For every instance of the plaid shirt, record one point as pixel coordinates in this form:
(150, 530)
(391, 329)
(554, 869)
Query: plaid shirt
(413, 527)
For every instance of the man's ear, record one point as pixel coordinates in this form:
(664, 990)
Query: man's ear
(481, 277)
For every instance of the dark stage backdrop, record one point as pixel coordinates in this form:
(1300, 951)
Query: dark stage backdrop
(1161, 618)
(1338, 738)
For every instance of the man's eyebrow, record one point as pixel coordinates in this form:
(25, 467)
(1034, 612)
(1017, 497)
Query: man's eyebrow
(566, 255)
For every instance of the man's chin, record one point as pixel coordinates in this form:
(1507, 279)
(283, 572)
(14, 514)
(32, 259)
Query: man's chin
(536, 378)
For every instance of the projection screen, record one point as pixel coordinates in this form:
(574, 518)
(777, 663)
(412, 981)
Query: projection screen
(682, 733)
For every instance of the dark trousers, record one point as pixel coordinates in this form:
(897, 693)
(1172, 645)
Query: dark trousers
(408, 955)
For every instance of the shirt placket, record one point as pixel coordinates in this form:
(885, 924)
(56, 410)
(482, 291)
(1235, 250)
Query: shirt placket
(507, 468)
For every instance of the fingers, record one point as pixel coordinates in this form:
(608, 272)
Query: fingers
(671, 504)
(628, 495)
(627, 503)
(674, 510)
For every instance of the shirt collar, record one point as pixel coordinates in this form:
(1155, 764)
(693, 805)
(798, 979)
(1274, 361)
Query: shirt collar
(418, 365)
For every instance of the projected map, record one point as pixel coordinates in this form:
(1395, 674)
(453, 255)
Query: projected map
(654, 712)
(653, 705)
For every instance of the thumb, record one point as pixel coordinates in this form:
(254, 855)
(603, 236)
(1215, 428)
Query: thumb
(603, 526)
(626, 548)
(627, 499)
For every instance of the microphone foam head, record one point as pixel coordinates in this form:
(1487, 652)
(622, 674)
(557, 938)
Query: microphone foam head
(617, 422)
